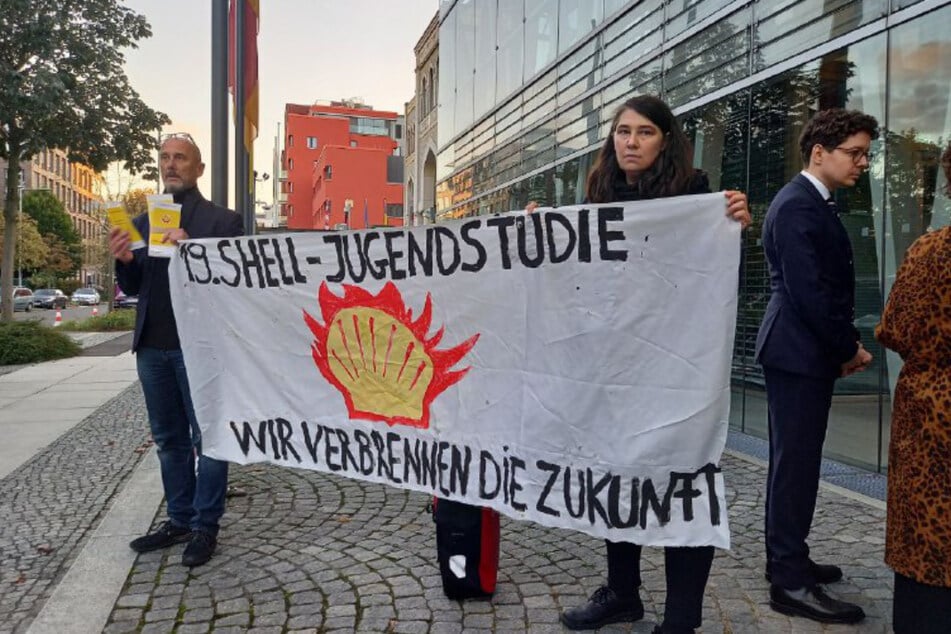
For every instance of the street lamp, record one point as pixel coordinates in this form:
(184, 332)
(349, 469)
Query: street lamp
(253, 202)
(22, 188)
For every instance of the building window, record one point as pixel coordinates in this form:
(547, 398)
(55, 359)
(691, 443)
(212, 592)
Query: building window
(353, 144)
(425, 96)
(290, 164)
(399, 132)
(328, 172)
(367, 125)
(311, 143)
(394, 210)
(290, 140)
(290, 187)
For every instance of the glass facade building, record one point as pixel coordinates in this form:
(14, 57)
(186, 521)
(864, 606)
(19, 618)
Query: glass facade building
(528, 88)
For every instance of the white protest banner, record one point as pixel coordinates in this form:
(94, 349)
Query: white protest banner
(570, 367)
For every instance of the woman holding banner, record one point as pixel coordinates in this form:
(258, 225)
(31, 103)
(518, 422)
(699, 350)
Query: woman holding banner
(648, 156)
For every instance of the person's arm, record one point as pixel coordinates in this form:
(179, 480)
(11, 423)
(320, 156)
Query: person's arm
(235, 225)
(737, 206)
(913, 300)
(796, 235)
(129, 264)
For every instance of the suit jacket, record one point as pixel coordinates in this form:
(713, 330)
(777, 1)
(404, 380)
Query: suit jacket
(808, 326)
(200, 219)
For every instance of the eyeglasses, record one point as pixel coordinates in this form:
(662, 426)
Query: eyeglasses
(857, 153)
(179, 135)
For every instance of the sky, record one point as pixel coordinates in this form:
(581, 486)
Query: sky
(308, 50)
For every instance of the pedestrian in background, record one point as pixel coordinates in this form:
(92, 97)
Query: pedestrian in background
(806, 341)
(648, 156)
(195, 498)
(916, 324)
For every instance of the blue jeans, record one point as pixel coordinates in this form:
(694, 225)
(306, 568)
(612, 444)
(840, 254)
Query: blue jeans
(195, 499)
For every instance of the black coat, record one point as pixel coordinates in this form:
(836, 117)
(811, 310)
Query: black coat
(147, 277)
(808, 326)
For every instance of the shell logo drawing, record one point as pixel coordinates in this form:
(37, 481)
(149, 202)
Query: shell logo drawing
(384, 364)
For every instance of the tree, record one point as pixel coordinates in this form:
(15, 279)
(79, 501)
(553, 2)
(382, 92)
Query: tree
(50, 215)
(56, 227)
(63, 87)
(32, 251)
(136, 202)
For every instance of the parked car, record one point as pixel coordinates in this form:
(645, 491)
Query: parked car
(85, 296)
(50, 298)
(22, 298)
(125, 301)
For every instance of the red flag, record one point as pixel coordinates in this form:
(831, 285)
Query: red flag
(251, 11)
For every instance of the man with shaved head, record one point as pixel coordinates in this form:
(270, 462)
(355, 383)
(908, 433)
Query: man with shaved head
(195, 498)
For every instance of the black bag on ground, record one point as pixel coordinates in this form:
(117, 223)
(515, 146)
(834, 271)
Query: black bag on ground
(467, 545)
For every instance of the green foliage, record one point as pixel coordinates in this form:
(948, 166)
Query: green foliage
(136, 202)
(31, 250)
(64, 245)
(68, 286)
(31, 342)
(50, 215)
(113, 321)
(63, 86)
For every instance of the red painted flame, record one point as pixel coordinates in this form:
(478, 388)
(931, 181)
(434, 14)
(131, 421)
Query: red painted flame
(390, 301)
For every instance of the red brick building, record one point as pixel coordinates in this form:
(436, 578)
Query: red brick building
(342, 166)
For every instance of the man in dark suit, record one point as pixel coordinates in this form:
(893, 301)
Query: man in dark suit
(806, 341)
(195, 501)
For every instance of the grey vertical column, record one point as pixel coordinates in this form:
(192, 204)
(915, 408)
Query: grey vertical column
(240, 152)
(219, 102)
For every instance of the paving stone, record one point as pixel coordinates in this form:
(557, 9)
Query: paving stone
(232, 605)
(271, 619)
(313, 552)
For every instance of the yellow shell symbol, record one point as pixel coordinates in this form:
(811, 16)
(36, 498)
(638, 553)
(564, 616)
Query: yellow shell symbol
(379, 361)
(166, 219)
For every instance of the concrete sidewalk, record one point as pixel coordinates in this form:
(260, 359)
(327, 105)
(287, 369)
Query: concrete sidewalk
(38, 403)
(312, 552)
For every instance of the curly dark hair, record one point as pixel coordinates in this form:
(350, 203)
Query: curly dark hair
(946, 166)
(671, 173)
(831, 127)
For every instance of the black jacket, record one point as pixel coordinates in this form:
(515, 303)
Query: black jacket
(808, 326)
(147, 277)
(699, 184)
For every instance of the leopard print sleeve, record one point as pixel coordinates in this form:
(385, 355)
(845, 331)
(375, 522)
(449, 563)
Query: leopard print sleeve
(916, 320)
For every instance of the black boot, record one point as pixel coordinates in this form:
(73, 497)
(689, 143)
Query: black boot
(604, 607)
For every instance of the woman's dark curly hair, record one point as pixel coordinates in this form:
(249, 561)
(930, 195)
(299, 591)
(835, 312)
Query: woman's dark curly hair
(831, 127)
(671, 173)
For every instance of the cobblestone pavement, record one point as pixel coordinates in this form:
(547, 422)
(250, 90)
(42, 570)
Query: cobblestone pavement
(50, 505)
(316, 553)
(311, 552)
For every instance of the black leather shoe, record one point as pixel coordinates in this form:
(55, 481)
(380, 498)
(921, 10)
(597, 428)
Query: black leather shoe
(813, 603)
(604, 607)
(822, 573)
(200, 549)
(166, 535)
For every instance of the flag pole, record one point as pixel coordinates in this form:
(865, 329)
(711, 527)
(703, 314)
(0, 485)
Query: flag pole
(219, 102)
(240, 152)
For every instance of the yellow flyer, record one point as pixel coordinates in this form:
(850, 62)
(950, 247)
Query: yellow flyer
(119, 218)
(162, 217)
